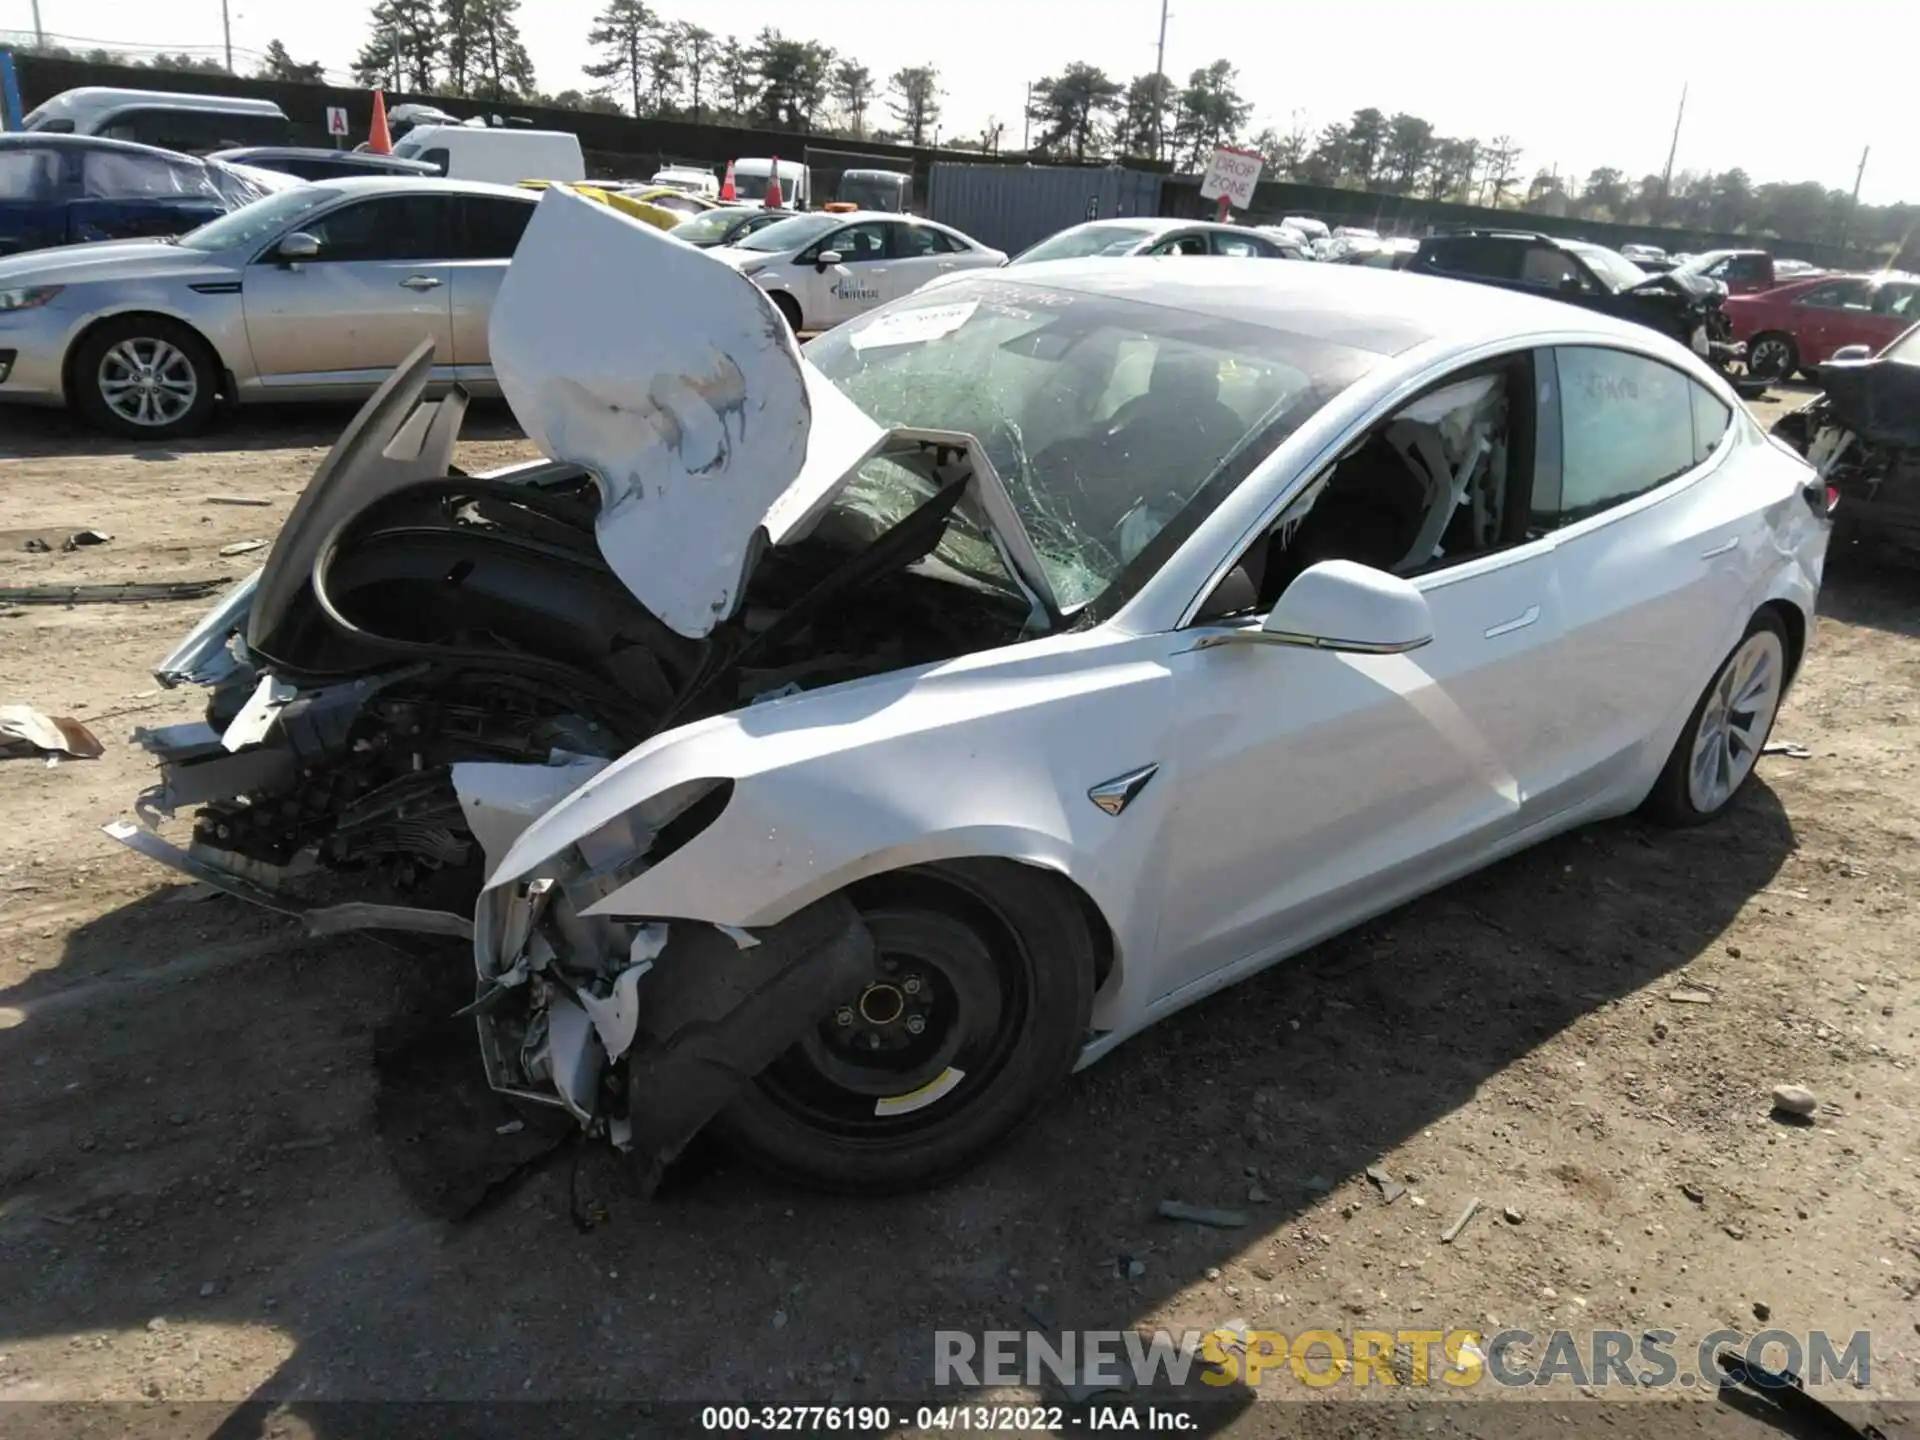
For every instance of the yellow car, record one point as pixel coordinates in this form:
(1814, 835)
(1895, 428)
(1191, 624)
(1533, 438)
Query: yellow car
(659, 216)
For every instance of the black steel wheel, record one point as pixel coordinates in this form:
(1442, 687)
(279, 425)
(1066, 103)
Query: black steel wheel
(980, 1008)
(1772, 357)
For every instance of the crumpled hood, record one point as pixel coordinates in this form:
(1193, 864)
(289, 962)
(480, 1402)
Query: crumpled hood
(1671, 282)
(104, 260)
(673, 380)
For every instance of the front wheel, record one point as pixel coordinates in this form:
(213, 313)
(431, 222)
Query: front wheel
(146, 377)
(1716, 752)
(980, 1009)
(789, 309)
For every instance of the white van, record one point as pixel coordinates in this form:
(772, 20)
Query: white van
(796, 182)
(504, 155)
(692, 181)
(193, 124)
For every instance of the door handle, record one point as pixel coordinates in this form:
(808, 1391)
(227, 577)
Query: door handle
(1519, 622)
(1721, 549)
(419, 282)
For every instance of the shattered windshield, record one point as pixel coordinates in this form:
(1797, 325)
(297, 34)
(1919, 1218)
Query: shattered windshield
(1083, 241)
(1106, 418)
(251, 224)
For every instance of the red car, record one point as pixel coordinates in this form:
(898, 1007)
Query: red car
(1798, 325)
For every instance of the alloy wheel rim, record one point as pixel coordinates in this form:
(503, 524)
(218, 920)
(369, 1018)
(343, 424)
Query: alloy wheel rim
(148, 382)
(1769, 358)
(1736, 721)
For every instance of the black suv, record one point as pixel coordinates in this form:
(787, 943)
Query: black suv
(1685, 307)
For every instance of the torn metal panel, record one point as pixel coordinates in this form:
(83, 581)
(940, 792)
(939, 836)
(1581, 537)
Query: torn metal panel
(130, 593)
(361, 915)
(714, 1016)
(256, 717)
(205, 656)
(136, 837)
(683, 393)
(25, 731)
(499, 801)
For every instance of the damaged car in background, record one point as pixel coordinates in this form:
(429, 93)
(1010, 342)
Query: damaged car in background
(1863, 437)
(847, 744)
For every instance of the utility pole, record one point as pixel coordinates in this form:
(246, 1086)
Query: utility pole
(1846, 220)
(226, 29)
(1160, 89)
(1026, 122)
(1666, 177)
(39, 35)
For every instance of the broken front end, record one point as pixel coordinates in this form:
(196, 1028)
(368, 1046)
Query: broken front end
(1863, 436)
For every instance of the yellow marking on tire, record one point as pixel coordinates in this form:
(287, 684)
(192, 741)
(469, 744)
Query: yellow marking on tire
(919, 1099)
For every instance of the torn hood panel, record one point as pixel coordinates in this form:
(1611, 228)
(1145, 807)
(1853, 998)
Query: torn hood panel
(673, 380)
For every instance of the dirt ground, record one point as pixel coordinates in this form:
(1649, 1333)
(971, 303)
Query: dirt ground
(195, 1204)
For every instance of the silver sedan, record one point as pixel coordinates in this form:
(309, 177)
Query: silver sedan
(315, 293)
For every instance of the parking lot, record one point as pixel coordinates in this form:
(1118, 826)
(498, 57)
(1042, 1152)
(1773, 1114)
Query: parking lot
(207, 1194)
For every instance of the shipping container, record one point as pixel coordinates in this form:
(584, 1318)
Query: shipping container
(1013, 206)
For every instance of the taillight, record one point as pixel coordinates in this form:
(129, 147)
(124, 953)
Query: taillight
(1833, 499)
(1821, 498)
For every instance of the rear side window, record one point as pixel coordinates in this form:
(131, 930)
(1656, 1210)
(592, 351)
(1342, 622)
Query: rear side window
(1710, 421)
(490, 229)
(1626, 427)
(25, 174)
(1486, 259)
(122, 175)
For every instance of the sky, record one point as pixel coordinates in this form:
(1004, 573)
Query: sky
(1578, 86)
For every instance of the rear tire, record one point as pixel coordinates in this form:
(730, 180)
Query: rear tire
(995, 963)
(1720, 746)
(789, 309)
(145, 377)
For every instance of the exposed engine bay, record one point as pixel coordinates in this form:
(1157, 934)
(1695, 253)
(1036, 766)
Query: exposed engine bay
(1863, 436)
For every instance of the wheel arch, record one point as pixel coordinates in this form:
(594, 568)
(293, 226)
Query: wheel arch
(1796, 623)
(85, 332)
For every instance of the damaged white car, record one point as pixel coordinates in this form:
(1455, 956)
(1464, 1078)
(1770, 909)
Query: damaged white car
(846, 747)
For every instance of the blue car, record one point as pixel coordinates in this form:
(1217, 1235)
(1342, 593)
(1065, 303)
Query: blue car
(66, 189)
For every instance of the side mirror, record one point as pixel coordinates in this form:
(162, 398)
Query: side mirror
(1851, 354)
(296, 247)
(1344, 606)
(825, 259)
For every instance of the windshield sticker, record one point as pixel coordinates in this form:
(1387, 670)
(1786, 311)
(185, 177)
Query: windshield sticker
(913, 327)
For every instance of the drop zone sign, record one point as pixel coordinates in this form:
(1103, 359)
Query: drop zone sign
(1232, 176)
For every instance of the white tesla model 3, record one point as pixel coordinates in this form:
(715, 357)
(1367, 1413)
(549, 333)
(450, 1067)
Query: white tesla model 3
(1138, 625)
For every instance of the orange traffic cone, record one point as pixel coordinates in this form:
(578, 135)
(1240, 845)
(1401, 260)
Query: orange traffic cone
(774, 202)
(727, 191)
(379, 142)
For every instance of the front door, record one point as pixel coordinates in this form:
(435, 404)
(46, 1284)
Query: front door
(378, 287)
(860, 281)
(1317, 788)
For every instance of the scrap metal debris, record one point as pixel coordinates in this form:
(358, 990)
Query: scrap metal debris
(1202, 1215)
(243, 547)
(25, 731)
(84, 537)
(1390, 1188)
(1448, 1235)
(136, 593)
(1792, 749)
(1691, 997)
(239, 500)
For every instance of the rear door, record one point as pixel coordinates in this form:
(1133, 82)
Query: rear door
(380, 285)
(484, 238)
(1653, 557)
(1894, 309)
(920, 252)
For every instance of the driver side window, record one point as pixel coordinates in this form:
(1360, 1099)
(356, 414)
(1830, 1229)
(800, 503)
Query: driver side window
(1445, 479)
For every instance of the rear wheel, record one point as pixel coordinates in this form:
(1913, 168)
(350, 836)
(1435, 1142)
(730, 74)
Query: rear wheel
(1772, 356)
(982, 1003)
(1716, 752)
(145, 376)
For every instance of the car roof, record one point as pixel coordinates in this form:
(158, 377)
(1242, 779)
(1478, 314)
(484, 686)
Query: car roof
(422, 184)
(242, 153)
(1383, 311)
(43, 139)
(89, 98)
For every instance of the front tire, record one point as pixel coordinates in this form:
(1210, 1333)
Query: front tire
(789, 309)
(1717, 751)
(145, 377)
(985, 993)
